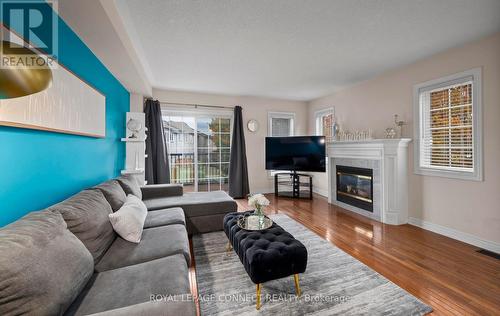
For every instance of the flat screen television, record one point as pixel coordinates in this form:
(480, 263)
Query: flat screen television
(296, 153)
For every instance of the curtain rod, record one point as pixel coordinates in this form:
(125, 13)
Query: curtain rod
(197, 105)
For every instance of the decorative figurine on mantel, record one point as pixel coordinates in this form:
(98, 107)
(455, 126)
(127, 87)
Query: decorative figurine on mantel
(355, 136)
(335, 130)
(392, 132)
(399, 125)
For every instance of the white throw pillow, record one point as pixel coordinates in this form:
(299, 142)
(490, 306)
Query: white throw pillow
(128, 221)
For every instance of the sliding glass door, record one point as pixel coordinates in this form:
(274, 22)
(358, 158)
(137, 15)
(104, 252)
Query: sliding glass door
(180, 135)
(198, 145)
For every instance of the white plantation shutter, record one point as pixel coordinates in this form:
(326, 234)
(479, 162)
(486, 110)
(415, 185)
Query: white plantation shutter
(448, 128)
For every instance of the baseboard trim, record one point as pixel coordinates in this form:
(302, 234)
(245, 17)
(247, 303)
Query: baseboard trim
(262, 191)
(455, 234)
(323, 192)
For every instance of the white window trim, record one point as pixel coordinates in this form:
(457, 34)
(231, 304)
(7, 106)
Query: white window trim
(285, 115)
(477, 126)
(318, 121)
(197, 112)
(270, 116)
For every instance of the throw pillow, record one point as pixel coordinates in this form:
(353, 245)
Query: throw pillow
(128, 221)
(113, 193)
(130, 185)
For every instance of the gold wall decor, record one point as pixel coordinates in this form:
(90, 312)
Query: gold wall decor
(21, 80)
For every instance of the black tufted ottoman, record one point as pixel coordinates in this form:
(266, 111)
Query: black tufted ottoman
(268, 254)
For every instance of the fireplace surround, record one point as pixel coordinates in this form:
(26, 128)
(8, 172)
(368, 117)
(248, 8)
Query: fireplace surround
(388, 159)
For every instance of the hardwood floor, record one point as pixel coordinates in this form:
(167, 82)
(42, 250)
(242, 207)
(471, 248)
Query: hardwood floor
(447, 274)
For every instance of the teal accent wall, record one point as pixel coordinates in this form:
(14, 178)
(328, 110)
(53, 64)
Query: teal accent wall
(38, 169)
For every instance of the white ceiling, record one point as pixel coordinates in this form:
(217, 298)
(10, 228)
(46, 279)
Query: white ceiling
(99, 26)
(293, 49)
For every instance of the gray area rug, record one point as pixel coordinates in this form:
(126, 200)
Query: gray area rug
(334, 283)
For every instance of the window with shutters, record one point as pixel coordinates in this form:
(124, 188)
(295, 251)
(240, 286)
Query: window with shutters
(281, 124)
(448, 127)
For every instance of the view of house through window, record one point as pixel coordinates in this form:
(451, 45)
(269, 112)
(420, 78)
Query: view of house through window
(324, 124)
(450, 127)
(198, 150)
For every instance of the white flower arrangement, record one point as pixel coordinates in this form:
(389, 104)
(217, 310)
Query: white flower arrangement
(258, 201)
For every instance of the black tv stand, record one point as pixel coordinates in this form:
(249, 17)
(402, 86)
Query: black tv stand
(289, 184)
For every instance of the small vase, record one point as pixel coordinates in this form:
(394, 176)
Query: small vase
(258, 211)
(260, 214)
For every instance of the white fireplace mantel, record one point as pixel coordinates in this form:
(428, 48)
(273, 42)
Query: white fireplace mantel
(391, 197)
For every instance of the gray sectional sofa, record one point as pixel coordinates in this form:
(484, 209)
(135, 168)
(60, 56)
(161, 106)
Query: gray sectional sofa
(204, 212)
(67, 259)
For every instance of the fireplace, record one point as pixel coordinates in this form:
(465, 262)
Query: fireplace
(355, 187)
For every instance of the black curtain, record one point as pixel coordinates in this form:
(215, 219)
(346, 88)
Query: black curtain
(238, 172)
(157, 168)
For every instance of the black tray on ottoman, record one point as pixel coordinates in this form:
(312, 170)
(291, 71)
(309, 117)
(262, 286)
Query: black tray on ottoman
(267, 254)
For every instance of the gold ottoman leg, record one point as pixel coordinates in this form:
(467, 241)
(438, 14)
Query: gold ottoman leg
(258, 296)
(229, 247)
(297, 286)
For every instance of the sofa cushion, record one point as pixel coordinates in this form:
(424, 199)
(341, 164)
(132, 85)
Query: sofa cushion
(128, 221)
(152, 191)
(43, 266)
(87, 217)
(204, 224)
(196, 203)
(157, 242)
(133, 285)
(181, 304)
(130, 184)
(164, 217)
(113, 193)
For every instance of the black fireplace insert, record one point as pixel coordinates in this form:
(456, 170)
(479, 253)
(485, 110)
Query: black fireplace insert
(355, 187)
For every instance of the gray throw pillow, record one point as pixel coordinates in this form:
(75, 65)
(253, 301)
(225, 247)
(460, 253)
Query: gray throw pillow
(128, 221)
(130, 185)
(113, 193)
(87, 217)
(43, 266)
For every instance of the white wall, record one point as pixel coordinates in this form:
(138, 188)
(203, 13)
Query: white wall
(136, 102)
(467, 206)
(253, 108)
